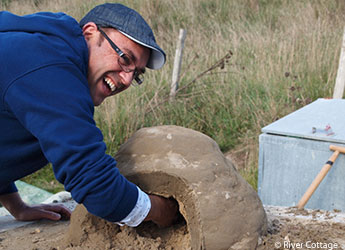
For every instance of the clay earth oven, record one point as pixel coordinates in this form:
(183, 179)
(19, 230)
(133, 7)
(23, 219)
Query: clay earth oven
(221, 210)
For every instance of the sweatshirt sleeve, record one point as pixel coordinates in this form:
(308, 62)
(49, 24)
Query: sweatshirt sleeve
(11, 188)
(54, 104)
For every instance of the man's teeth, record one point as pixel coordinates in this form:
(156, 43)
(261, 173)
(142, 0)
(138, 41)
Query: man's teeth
(110, 84)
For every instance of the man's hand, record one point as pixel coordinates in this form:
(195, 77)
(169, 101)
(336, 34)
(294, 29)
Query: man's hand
(23, 212)
(164, 212)
(42, 211)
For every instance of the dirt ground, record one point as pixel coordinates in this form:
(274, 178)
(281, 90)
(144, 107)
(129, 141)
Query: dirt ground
(288, 229)
(39, 235)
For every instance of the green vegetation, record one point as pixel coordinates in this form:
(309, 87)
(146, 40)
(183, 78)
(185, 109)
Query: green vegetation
(285, 55)
(44, 178)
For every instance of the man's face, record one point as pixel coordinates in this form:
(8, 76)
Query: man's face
(105, 75)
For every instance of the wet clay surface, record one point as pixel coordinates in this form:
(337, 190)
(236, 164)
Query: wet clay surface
(221, 209)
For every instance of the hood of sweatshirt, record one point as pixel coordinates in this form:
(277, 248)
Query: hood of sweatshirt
(39, 39)
(53, 24)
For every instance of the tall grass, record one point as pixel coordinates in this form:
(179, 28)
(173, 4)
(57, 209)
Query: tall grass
(285, 55)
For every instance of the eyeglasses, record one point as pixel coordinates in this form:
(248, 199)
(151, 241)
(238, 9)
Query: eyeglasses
(125, 61)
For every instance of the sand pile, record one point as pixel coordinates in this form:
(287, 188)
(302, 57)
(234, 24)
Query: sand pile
(220, 208)
(87, 231)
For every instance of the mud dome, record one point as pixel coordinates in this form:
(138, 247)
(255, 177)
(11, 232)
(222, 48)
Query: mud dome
(220, 208)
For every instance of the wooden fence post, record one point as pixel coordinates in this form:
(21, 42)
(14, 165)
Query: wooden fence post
(177, 64)
(340, 80)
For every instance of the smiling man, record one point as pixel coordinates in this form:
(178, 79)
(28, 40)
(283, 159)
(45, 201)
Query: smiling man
(53, 72)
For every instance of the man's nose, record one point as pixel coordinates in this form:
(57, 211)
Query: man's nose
(127, 77)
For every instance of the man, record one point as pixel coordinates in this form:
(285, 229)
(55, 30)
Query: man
(53, 72)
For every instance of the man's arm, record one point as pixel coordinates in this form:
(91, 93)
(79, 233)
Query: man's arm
(23, 212)
(164, 212)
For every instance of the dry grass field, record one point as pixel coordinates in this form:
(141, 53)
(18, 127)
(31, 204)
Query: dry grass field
(284, 55)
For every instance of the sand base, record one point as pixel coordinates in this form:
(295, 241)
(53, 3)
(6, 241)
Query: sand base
(285, 224)
(87, 231)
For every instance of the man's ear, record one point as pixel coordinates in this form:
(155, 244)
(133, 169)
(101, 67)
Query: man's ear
(89, 30)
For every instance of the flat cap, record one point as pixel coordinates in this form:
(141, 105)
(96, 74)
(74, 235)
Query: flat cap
(131, 24)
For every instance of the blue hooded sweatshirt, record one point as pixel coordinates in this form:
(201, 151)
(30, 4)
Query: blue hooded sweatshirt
(46, 114)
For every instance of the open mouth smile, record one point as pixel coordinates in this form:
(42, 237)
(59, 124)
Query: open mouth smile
(112, 87)
(110, 84)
